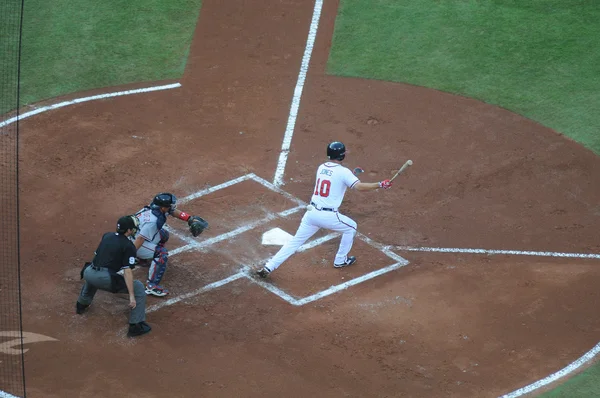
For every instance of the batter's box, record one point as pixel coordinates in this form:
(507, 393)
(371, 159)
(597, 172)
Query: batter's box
(313, 273)
(310, 274)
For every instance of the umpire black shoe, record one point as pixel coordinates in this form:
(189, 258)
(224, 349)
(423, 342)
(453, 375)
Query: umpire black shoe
(80, 308)
(263, 272)
(349, 261)
(138, 329)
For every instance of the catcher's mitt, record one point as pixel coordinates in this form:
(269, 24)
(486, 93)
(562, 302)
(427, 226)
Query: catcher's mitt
(197, 225)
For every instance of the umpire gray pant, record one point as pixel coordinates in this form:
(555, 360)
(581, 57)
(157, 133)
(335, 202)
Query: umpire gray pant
(101, 279)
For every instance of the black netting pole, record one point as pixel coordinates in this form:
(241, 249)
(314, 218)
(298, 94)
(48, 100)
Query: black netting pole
(12, 370)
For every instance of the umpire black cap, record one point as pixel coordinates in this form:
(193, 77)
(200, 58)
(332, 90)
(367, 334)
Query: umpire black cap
(126, 223)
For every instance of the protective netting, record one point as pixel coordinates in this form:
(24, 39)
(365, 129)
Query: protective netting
(12, 376)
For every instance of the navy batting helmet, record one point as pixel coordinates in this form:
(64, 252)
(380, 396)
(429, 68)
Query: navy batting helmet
(336, 151)
(165, 199)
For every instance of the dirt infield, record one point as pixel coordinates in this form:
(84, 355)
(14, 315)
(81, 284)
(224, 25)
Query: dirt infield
(444, 325)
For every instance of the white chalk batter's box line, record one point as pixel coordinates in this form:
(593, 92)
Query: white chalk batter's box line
(191, 244)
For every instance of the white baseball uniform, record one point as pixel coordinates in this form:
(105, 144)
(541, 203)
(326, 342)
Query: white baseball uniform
(332, 181)
(149, 231)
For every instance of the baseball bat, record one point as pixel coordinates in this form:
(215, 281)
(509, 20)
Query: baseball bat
(404, 166)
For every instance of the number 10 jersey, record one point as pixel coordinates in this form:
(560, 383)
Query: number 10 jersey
(332, 180)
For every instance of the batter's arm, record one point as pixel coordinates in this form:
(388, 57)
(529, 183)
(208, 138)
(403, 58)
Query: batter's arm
(367, 186)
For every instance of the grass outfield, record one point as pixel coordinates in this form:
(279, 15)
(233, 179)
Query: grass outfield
(70, 46)
(538, 58)
(583, 385)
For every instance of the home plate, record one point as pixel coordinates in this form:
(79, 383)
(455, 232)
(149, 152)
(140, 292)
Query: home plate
(276, 236)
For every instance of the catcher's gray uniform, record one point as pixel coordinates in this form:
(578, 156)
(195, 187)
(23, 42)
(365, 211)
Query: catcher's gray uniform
(153, 237)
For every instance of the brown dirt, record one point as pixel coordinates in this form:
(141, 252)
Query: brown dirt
(446, 325)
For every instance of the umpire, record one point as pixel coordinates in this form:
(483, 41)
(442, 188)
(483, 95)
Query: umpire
(110, 270)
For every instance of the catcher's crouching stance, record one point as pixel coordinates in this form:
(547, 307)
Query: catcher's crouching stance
(151, 240)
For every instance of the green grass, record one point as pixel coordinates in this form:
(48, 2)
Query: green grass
(538, 58)
(10, 13)
(75, 45)
(583, 385)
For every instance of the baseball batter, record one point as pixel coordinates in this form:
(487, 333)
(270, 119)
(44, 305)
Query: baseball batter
(332, 180)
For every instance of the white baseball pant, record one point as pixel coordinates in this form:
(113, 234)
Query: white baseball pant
(312, 221)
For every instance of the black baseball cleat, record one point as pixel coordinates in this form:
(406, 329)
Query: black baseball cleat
(349, 261)
(80, 308)
(138, 329)
(263, 272)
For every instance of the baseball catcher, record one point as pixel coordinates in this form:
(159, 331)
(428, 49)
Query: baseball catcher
(151, 240)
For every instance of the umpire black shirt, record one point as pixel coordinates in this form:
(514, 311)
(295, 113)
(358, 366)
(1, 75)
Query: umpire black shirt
(114, 252)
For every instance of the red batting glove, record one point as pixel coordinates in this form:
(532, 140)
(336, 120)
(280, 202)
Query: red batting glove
(385, 184)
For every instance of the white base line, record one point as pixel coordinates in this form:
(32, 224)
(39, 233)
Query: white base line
(485, 251)
(555, 376)
(215, 188)
(333, 289)
(275, 188)
(345, 285)
(196, 292)
(85, 99)
(274, 289)
(4, 394)
(289, 130)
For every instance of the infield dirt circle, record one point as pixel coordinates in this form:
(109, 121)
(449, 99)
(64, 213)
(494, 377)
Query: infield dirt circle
(445, 325)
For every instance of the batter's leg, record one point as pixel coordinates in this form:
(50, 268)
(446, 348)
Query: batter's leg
(304, 232)
(347, 227)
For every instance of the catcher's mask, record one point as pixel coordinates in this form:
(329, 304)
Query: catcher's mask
(165, 199)
(336, 151)
(126, 223)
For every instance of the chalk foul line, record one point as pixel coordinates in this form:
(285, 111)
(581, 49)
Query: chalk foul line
(289, 130)
(554, 376)
(487, 251)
